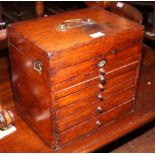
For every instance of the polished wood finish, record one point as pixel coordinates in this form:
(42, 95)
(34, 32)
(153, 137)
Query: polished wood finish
(90, 79)
(6, 93)
(112, 61)
(35, 115)
(28, 141)
(73, 98)
(78, 118)
(43, 58)
(59, 45)
(81, 106)
(79, 130)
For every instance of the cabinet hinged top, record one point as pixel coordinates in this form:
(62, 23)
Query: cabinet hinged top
(74, 28)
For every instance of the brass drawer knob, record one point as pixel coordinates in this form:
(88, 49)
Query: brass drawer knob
(102, 79)
(102, 71)
(98, 123)
(101, 87)
(113, 52)
(99, 109)
(101, 63)
(100, 97)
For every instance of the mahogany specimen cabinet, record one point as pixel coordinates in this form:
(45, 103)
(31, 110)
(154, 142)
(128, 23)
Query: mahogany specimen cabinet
(74, 74)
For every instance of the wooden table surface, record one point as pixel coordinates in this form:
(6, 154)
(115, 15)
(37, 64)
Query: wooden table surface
(25, 140)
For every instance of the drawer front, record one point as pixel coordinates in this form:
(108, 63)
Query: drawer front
(86, 52)
(92, 109)
(113, 61)
(80, 95)
(95, 123)
(114, 77)
(80, 106)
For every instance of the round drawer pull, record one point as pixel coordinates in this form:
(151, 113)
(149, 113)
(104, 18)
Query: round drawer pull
(101, 87)
(113, 52)
(102, 71)
(101, 63)
(100, 97)
(99, 109)
(102, 79)
(99, 123)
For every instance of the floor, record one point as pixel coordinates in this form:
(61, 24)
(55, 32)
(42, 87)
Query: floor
(141, 140)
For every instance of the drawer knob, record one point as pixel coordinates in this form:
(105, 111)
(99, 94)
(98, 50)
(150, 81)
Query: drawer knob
(99, 109)
(102, 79)
(99, 123)
(102, 71)
(101, 87)
(101, 63)
(100, 97)
(113, 52)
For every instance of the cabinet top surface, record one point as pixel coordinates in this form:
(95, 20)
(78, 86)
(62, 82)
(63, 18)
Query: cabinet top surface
(43, 31)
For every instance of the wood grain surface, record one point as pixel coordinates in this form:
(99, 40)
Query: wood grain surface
(39, 64)
(28, 141)
(45, 29)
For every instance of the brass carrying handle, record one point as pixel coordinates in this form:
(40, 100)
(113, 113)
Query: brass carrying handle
(71, 23)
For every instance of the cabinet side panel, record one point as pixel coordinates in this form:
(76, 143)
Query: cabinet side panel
(31, 89)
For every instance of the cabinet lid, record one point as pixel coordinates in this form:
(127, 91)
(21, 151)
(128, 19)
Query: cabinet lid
(44, 32)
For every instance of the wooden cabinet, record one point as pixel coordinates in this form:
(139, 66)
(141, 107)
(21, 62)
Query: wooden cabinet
(70, 83)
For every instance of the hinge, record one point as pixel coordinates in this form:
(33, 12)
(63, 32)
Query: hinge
(56, 147)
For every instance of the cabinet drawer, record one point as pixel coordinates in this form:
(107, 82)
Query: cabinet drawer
(113, 61)
(113, 77)
(90, 101)
(86, 127)
(90, 110)
(85, 52)
(80, 95)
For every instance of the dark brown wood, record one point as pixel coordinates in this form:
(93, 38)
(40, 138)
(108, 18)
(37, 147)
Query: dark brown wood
(112, 61)
(90, 79)
(39, 8)
(73, 98)
(82, 129)
(6, 93)
(86, 103)
(40, 90)
(45, 58)
(83, 115)
(27, 139)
